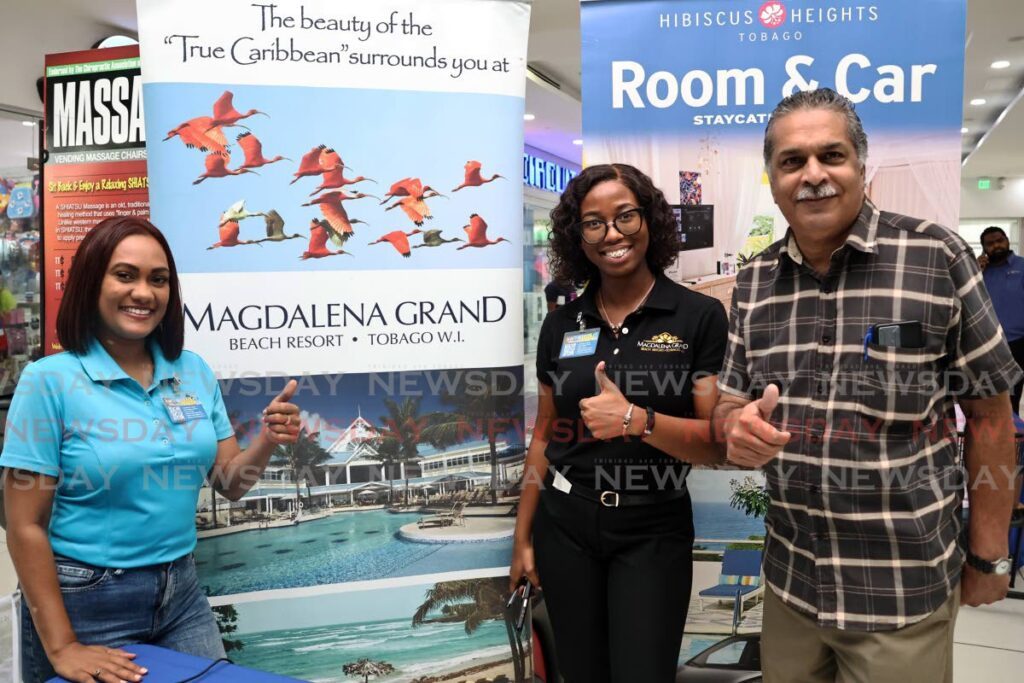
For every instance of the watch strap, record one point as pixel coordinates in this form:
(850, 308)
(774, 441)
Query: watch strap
(987, 566)
(649, 425)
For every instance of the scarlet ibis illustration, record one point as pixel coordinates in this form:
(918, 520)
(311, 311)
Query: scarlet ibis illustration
(319, 231)
(225, 114)
(335, 178)
(309, 165)
(238, 212)
(476, 233)
(253, 150)
(217, 167)
(474, 178)
(329, 159)
(275, 228)
(228, 232)
(399, 240)
(415, 208)
(195, 134)
(335, 213)
(408, 187)
(432, 238)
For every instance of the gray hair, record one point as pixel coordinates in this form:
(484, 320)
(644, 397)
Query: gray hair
(822, 98)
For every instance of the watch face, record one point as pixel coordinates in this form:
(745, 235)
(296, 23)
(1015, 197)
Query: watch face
(1002, 566)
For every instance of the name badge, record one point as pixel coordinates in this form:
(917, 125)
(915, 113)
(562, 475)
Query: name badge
(579, 344)
(185, 409)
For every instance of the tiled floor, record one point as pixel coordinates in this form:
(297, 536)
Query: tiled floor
(989, 640)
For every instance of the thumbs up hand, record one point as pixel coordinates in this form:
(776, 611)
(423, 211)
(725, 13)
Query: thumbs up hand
(603, 413)
(281, 421)
(750, 439)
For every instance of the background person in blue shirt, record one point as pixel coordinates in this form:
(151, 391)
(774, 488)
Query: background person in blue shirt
(1004, 279)
(105, 451)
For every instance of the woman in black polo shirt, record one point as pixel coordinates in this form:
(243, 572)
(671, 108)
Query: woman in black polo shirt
(626, 379)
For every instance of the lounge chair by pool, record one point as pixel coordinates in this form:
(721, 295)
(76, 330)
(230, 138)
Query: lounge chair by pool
(444, 519)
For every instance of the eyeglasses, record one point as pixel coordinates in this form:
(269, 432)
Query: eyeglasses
(593, 230)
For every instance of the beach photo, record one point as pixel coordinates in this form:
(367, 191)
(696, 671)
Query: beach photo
(433, 632)
(395, 474)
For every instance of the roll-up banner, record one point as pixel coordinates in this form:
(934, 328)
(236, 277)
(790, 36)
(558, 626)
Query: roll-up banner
(683, 90)
(96, 163)
(341, 183)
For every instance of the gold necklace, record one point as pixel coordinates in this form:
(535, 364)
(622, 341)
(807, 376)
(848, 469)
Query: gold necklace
(607, 319)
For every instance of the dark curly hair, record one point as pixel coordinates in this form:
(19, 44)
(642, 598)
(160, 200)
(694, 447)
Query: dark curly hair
(567, 261)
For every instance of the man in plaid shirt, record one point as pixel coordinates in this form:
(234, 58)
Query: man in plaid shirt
(850, 340)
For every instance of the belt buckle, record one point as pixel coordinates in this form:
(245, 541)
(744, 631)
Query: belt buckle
(606, 495)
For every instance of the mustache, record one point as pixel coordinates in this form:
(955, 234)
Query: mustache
(823, 191)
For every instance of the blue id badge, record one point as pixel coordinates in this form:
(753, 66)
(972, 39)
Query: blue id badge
(580, 344)
(184, 409)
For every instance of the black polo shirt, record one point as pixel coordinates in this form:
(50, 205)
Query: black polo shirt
(677, 336)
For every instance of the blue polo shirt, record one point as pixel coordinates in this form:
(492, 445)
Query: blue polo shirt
(128, 475)
(1005, 285)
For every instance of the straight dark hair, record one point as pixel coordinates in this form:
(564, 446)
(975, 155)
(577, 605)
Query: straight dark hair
(79, 309)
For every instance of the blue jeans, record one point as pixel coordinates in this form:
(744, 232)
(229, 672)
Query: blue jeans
(157, 605)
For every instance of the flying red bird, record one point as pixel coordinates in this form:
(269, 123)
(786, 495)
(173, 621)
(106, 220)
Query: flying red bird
(399, 240)
(474, 178)
(329, 159)
(335, 213)
(228, 232)
(309, 164)
(415, 208)
(335, 178)
(476, 233)
(217, 167)
(319, 231)
(253, 150)
(225, 114)
(408, 187)
(196, 134)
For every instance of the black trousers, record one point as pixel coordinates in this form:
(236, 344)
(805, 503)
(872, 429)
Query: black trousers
(617, 586)
(1017, 349)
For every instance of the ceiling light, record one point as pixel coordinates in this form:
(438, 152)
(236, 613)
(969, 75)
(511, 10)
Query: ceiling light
(577, 142)
(28, 123)
(963, 131)
(978, 101)
(1001, 64)
(528, 117)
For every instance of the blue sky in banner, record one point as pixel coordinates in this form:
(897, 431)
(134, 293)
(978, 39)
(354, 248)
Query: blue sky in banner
(338, 399)
(711, 36)
(384, 135)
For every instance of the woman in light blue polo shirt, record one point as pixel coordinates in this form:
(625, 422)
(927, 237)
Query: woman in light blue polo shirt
(106, 448)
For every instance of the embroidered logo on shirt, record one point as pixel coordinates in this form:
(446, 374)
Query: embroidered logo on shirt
(663, 342)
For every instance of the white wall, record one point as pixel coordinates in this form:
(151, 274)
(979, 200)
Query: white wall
(1005, 203)
(35, 29)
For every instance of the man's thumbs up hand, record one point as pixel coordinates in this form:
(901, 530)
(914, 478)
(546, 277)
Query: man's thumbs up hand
(750, 439)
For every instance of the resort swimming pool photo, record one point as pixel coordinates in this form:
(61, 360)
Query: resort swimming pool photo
(346, 546)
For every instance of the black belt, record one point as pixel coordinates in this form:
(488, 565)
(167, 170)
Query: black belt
(614, 499)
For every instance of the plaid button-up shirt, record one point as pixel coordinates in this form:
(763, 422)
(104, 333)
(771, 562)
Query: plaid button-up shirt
(864, 523)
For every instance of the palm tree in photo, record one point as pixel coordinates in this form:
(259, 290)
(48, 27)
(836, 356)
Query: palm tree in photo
(472, 602)
(402, 434)
(367, 668)
(300, 458)
(478, 410)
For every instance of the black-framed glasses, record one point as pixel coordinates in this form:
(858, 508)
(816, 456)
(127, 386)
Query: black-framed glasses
(593, 230)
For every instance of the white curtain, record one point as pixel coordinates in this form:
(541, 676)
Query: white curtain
(920, 189)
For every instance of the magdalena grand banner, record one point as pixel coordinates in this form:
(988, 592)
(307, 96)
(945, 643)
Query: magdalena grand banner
(683, 89)
(340, 182)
